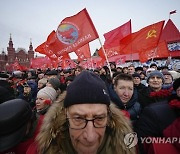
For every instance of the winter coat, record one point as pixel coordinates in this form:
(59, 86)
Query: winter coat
(139, 87)
(159, 120)
(133, 107)
(54, 136)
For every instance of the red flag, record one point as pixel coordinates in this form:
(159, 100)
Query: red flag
(83, 52)
(144, 39)
(62, 58)
(16, 66)
(113, 37)
(121, 60)
(161, 51)
(45, 49)
(68, 63)
(42, 62)
(73, 32)
(109, 52)
(172, 12)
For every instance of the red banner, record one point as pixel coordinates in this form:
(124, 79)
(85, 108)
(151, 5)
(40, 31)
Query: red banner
(42, 63)
(113, 37)
(83, 52)
(109, 52)
(143, 40)
(72, 33)
(161, 51)
(45, 49)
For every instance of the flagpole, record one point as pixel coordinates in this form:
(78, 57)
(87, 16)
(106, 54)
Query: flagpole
(106, 57)
(92, 65)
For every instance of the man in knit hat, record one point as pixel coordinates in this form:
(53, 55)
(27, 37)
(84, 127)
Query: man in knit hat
(154, 92)
(84, 121)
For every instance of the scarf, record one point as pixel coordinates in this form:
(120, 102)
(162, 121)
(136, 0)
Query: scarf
(163, 93)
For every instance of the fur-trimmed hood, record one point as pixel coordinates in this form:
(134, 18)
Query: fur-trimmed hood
(54, 135)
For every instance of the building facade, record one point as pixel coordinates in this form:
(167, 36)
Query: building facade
(20, 55)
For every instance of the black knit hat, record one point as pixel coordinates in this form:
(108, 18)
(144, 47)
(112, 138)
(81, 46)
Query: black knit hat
(14, 117)
(87, 88)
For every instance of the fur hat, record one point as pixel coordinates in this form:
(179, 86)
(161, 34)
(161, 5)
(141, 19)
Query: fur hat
(155, 73)
(49, 92)
(55, 83)
(14, 117)
(87, 88)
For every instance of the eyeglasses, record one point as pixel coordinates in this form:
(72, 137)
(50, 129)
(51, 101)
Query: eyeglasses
(81, 123)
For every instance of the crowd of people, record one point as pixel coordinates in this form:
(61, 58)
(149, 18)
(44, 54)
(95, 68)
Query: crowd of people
(89, 111)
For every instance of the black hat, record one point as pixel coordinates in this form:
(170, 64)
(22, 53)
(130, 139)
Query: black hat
(32, 77)
(52, 72)
(66, 71)
(3, 75)
(143, 72)
(176, 84)
(5, 95)
(70, 78)
(138, 68)
(136, 75)
(153, 64)
(87, 88)
(14, 117)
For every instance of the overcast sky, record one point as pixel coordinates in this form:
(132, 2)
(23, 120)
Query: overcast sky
(35, 19)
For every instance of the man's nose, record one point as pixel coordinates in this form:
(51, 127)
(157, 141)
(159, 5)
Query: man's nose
(126, 92)
(90, 132)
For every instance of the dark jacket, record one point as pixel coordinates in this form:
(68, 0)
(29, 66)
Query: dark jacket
(156, 118)
(139, 87)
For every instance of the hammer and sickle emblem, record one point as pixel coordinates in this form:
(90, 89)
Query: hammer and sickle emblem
(151, 33)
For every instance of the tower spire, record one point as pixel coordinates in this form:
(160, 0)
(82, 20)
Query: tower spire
(10, 41)
(30, 46)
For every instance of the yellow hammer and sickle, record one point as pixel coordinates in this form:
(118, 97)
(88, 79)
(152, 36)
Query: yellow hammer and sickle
(151, 33)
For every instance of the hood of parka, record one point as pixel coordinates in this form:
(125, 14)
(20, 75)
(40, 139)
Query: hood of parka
(54, 135)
